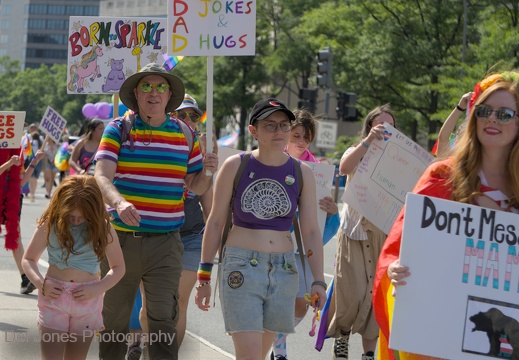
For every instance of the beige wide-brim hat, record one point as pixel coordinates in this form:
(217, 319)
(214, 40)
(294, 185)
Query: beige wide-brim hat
(175, 85)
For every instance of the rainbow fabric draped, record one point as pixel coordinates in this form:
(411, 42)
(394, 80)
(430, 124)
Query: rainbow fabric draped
(432, 183)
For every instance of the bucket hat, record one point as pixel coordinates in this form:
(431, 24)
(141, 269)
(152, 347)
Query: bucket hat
(176, 86)
(190, 102)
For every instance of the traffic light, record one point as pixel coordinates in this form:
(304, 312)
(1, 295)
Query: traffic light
(346, 106)
(307, 99)
(324, 67)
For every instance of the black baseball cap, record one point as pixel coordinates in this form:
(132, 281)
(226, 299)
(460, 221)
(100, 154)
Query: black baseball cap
(264, 108)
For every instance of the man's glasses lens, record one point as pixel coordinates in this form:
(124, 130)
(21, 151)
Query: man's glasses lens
(272, 126)
(503, 115)
(182, 115)
(161, 88)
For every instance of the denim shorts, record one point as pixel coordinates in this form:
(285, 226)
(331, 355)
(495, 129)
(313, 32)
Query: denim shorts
(37, 170)
(258, 290)
(192, 249)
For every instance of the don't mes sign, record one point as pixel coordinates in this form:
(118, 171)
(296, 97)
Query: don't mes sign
(211, 27)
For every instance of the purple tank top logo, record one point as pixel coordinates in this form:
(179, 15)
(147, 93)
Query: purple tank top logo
(265, 199)
(266, 196)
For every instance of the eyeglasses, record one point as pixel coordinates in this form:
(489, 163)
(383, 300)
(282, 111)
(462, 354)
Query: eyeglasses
(503, 115)
(273, 126)
(161, 88)
(182, 115)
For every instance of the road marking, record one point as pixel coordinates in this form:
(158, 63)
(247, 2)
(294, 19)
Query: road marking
(212, 346)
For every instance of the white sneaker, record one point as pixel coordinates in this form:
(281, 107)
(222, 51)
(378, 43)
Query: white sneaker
(145, 355)
(340, 347)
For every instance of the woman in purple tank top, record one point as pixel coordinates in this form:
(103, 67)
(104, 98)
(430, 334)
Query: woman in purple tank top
(86, 147)
(258, 276)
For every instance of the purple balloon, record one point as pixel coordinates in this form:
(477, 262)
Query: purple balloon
(89, 110)
(103, 110)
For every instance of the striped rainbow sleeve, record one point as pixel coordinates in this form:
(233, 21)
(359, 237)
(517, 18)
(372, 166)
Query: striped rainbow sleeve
(110, 142)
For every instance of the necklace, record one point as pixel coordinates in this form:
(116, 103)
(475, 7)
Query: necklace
(144, 135)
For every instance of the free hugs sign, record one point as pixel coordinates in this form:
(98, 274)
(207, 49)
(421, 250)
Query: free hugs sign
(53, 124)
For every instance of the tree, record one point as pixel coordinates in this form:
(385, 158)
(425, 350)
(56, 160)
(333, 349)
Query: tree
(32, 90)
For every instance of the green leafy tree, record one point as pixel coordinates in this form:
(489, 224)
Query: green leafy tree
(395, 51)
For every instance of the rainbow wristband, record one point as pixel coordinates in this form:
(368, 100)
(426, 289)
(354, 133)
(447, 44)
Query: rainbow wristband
(204, 272)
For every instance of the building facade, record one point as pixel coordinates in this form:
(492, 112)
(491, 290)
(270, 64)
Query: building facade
(35, 32)
(133, 7)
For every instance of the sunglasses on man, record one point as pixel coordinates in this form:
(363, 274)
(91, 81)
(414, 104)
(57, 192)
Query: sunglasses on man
(147, 88)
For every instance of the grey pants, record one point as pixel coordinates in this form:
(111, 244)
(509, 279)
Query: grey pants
(157, 261)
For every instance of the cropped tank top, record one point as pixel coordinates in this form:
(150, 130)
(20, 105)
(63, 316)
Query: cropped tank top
(85, 157)
(266, 196)
(85, 258)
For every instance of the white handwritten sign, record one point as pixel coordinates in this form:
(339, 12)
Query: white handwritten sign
(210, 28)
(52, 124)
(11, 128)
(388, 171)
(323, 175)
(464, 264)
(104, 51)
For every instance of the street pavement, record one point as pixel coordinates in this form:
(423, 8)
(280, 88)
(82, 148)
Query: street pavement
(205, 337)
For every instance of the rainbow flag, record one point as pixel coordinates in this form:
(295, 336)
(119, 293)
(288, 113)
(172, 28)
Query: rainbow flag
(323, 324)
(62, 157)
(434, 150)
(203, 118)
(27, 145)
(171, 61)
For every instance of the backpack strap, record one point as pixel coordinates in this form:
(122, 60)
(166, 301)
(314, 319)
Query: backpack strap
(244, 160)
(297, 230)
(126, 126)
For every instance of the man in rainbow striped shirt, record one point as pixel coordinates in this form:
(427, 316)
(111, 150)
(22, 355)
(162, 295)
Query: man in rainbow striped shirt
(142, 180)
